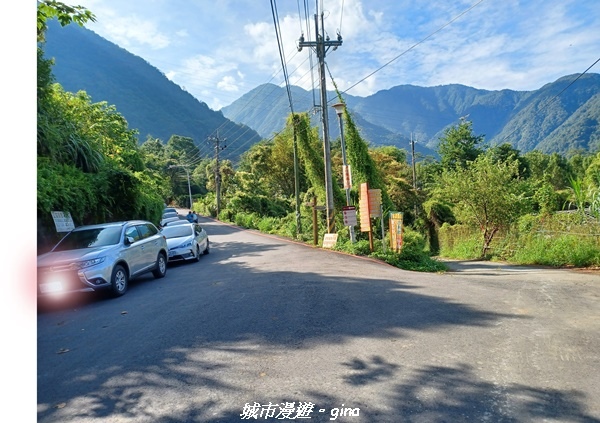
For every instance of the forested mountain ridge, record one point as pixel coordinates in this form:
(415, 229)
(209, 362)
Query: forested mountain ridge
(558, 117)
(149, 101)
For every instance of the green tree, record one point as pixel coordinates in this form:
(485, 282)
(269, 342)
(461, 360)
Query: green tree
(271, 162)
(50, 9)
(88, 160)
(459, 146)
(310, 155)
(485, 194)
(552, 168)
(182, 151)
(153, 154)
(505, 153)
(397, 177)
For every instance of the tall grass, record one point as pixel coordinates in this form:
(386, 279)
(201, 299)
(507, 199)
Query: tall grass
(558, 251)
(557, 240)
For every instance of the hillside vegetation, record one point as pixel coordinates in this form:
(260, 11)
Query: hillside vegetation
(552, 119)
(477, 200)
(562, 116)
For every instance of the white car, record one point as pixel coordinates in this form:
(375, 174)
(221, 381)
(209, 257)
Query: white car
(186, 241)
(168, 221)
(168, 217)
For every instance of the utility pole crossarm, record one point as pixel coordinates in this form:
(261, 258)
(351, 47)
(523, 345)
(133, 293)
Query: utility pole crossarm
(327, 43)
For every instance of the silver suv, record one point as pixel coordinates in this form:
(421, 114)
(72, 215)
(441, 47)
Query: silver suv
(104, 256)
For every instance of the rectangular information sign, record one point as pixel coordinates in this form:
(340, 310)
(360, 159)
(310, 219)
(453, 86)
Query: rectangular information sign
(396, 230)
(349, 213)
(375, 202)
(329, 240)
(365, 219)
(63, 221)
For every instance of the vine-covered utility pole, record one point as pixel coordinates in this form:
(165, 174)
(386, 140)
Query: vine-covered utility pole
(321, 46)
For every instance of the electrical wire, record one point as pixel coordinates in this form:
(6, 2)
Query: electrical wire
(415, 45)
(547, 104)
(281, 53)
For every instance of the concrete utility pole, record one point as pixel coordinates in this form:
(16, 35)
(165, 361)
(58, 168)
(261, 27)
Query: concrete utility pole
(296, 179)
(339, 109)
(321, 46)
(218, 148)
(414, 169)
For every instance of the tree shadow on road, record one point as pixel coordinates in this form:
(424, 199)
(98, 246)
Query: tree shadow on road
(229, 316)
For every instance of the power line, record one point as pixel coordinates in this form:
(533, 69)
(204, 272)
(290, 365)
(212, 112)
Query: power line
(414, 45)
(281, 53)
(547, 104)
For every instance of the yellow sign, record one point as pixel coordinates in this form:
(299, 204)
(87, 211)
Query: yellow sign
(365, 220)
(396, 230)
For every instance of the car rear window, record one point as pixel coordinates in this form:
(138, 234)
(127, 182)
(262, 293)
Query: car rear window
(169, 214)
(89, 238)
(176, 231)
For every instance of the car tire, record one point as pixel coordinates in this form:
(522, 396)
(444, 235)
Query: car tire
(161, 266)
(207, 249)
(119, 281)
(198, 254)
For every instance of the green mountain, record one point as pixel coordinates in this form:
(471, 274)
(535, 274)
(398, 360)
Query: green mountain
(562, 116)
(267, 107)
(149, 101)
(559, 117)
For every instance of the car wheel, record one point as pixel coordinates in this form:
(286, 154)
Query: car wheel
(119, 281)
(207, 249)
(161, 266)
(198, 254)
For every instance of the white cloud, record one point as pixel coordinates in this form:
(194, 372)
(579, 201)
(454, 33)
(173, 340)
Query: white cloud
(133, 31)
(516, 44)
(228, 83)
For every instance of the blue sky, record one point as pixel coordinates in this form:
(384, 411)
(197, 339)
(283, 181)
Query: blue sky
(220, 49)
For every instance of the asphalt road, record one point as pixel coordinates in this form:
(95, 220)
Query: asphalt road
(263, 328)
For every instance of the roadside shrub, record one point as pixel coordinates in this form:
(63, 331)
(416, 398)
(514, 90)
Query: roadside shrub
(268, 224)
(246, 220)
(460, 242)
(564, 250)
(359, 248)
(413, 255)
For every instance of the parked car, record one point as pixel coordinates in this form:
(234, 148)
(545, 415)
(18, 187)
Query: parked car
(186, 241)
(168, 217)
(102, 257)
(168, 220)
(169, 209)
(177, 222)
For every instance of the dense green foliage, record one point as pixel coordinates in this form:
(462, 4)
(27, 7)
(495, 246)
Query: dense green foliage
(527, 120)
(88, 160)
(151, 103)
(477, 201)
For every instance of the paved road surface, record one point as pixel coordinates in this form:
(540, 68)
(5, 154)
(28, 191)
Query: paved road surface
(263, 321)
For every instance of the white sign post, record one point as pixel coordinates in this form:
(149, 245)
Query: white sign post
(63, 221)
